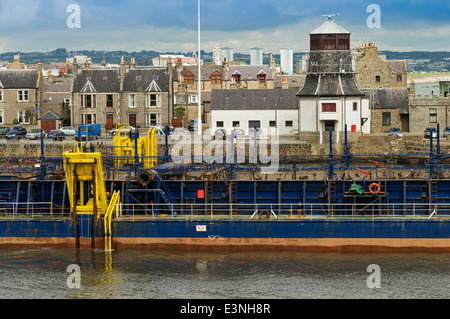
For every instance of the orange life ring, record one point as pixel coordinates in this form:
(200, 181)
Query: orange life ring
(377, 188)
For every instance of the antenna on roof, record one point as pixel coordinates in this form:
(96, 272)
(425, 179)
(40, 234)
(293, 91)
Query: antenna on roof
(330, 16)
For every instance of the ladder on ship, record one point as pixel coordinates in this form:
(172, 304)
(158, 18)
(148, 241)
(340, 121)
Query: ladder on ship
(331, 195)
(232, 194)
(433, 191)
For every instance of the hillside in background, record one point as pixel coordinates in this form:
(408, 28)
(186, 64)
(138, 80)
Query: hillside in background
(418, 61)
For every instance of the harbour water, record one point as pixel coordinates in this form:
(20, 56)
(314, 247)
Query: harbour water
(157, 274)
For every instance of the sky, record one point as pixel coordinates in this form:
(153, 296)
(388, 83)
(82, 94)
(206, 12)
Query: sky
(171, 25)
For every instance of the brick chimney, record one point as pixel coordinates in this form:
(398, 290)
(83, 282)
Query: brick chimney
(122, 67)
(132, 64)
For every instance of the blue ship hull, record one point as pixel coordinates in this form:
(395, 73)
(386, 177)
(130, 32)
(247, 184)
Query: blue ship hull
(310, 234)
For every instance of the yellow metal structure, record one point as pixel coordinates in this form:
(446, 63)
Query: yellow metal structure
(125, 148)
(85, 182)
(115, 199)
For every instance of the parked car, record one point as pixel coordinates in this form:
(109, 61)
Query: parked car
(17, 132)
(220, 134)
(92, 130)
(193, 125)
(170, 128)
(69, 130)
(123, 129)
(239, 133)
(395, 131)
(430, 131)
(4, 131)
(56, 135)
(447, 131)
(35, 134)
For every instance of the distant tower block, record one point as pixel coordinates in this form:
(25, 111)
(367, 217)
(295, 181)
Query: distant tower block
(287, 61)
(228, 53)
(256, 56)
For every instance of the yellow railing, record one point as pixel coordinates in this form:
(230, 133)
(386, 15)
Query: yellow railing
(115, 199)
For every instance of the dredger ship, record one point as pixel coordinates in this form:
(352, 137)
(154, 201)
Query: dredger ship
(132, 197)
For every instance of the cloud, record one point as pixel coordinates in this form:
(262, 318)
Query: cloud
(171, 25)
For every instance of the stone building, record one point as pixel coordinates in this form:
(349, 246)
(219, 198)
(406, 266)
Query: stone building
(21, 93)
(372, 71)
(331, 98)
(375, 76)
(428, 110)
(389, 108)
(139, 96)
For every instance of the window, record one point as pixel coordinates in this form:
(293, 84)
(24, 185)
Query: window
(88, 119)
(216, 78)
(132, 100)
(23, 96)
(236, 123)
(289, 123)
(153, 100)
(272, 124)
(23, 117)
(219, 124)
(1, 96)
(433, 115)
(189, 78)
(152, 119)
(378, 79)
(262, 78)
(236, 78)
(399, 78)
(193, 98)
(89, 101)
(1, 117)
(109, 100)
(355, 106)
(329, 107)
(386, 118)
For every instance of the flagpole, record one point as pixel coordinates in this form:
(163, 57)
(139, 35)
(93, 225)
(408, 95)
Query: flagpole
(199, 82)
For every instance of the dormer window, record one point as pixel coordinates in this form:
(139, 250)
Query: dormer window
(236, 78)
(262, 78)
(189, 78)
(216, 78)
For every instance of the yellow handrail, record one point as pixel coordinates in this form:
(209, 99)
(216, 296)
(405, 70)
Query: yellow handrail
(115, 199)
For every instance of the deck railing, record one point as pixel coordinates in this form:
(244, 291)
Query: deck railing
(30, 210)
(283, 211)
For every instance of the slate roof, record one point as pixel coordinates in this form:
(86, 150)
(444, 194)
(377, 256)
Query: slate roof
(97, 80)
(392, 98)
(249, 72)
(206, 70)
(294, 81)
(51, 116)
(397, 67)
(330, 85)
(18, 79)
(146, 79)
(254, 99)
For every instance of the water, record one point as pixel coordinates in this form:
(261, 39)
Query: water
(42, 273)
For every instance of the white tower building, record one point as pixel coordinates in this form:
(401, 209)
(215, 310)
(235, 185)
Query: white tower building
(256, 56)
(287, 61)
